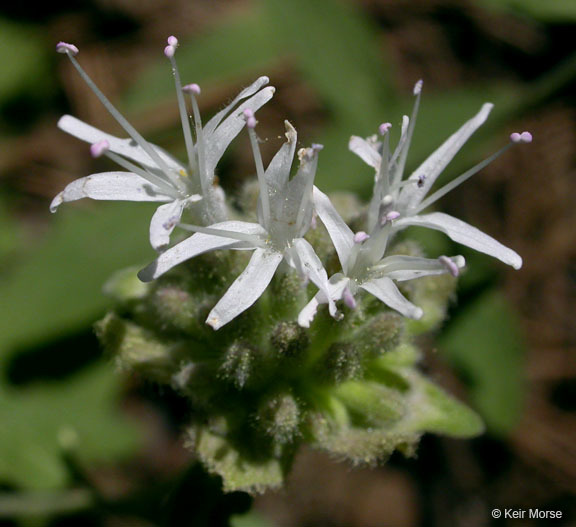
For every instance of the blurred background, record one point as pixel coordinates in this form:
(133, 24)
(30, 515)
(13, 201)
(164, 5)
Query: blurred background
(81, 445)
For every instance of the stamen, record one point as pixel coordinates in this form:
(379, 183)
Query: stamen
(122, 121)
(450, 265)
(100, 148)
(264, 198)
(241, 236)
(389, 217)
(69, 49)
(361, 237)
(387, 199)
(184, 119)
(348, 298)
(152, 178)
(384, 128)
(418, 87)
(192, 88)
(205, 181)
(460, 179)
(519, 138)
(404, 152)
(251, 121)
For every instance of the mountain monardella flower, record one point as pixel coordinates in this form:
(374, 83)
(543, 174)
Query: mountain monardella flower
(349, 387)
(365, 267)
(152, 174)
(409, 197)
(285, 211)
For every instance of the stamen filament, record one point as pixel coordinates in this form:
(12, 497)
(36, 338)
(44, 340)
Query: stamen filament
(204, 181)
(459, 180)
(264, 198)
(130, 130)
(152, 178)
(404, 152)
(241, 236)
(184, 117)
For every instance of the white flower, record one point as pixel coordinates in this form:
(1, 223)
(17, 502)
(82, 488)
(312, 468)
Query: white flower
(410, 197)
(153, 175)
(284, 216)
(365, 267)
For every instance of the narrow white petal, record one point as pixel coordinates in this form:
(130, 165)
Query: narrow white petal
(113, 186)
(278, 170)
(329, 295)
(124, 147)
(165, 219)
(341, 235)
(366, 151)
(246, 92)
(247, 288)
(218, 141)
(386, 291)
(307, 262)
(402, 268)
(306, 316)
(197, 244)
(432, 167)
(462, 232)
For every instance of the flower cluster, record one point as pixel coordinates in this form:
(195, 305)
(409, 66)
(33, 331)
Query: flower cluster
(343, 375)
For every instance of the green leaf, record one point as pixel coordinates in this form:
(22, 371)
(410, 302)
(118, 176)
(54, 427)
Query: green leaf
(485, 343)
(38, 419)
(433, 410)
(56, 288)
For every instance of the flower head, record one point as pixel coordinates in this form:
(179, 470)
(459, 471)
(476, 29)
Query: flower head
(152, 174)
(409, 197)
(364, 266)
(284, 216)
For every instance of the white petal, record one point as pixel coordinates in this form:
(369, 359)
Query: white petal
(113, 186)
(432, 167)
(197, 244)
(366, 151)
(213, 123)
(330, 295)
(307, 262)
(278, 170)
(386, 291)
(247, 288)
(124, 147)
(218, 141)
(306, 316)
(165, 220)
(462, 232)
(402, 268)
(341, 235)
